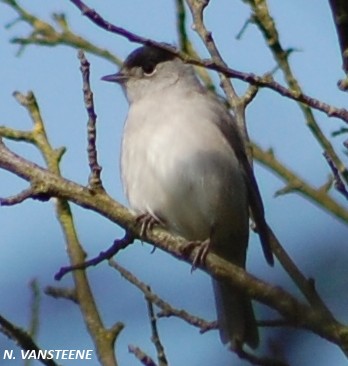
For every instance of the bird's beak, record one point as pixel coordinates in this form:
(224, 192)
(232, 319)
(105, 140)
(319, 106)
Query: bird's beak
(119, 78)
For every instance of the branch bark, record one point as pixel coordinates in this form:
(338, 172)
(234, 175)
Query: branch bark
(288, 306)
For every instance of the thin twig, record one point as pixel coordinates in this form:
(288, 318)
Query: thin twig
(23, 339)
(197, 10)
(62, 293)
(109, 253)
(184, 41)
(155, 338)
(44, 34)
(263, 19)
(94, 180)
(260, 81)
(103, 338)
(339, 10)
(286, 304)
(34, 316)
(167, 309)
(187, 47)
(35, 309)
(294, 183)
(145, 359)
(305, 285)
(17, 198)
(338, 183)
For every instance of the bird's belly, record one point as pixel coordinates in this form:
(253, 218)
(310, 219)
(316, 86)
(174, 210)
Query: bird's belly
(191, 187)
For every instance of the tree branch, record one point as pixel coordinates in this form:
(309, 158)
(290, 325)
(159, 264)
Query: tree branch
(61, 293)
(339, 10)
(145, 359)
(294, 183)
(46, 183)
(94, 180)
(266, 24)
(44, 34)
(103, 338)
(265, 82)
(161, 356)
(166, 308)
(298, 313)
(23, 339)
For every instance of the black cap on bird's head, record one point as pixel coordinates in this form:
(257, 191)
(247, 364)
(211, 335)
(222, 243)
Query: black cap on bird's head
(146, 58)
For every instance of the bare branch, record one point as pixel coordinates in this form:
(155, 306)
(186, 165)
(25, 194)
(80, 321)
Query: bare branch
(49, 183)
(266, 24)
(35, 308)
(145, 359)
(18, 198)
(94, 180)
(17, 135)
(187, 47)
(306, 285)
(104, 339)
(161, 356)
(167, 309)
(236, 104)
(339, 185)
(104, 255)
(264, 82)
(61, 293)
(197, 9)
(295, 183)
(184, 40)
(44, 34)
(23, 339)
(278, 299)
(339, 10)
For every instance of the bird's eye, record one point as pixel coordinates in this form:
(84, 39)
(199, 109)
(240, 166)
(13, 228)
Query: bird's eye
(149, 69)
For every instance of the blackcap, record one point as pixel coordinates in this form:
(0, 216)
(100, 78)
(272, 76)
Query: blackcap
(183, 162)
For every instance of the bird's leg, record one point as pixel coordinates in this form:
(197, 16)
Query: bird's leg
(147, 222)
(201, 255)
(202, 252)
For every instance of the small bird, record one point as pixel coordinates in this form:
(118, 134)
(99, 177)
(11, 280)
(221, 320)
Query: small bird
(183, 163)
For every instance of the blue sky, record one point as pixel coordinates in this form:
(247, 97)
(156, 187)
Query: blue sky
(32, 244)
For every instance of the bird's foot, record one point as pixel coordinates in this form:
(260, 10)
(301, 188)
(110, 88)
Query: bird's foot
(146, 222)
(202, 252)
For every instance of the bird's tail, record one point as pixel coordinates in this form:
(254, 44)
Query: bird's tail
(236, 319)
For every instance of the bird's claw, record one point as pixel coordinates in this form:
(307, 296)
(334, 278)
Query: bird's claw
(202, 252)
(147, 222)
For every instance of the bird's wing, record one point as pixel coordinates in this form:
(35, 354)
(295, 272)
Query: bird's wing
(230, 131)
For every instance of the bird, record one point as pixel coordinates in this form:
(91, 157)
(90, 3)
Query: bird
(184, 165)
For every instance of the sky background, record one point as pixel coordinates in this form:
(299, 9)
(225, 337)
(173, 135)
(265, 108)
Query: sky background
(33, 245)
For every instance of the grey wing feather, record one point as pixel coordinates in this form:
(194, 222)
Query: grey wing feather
(232, 135)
